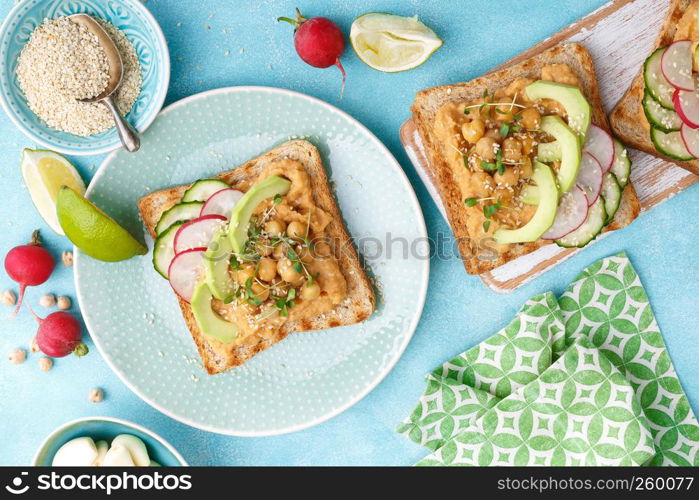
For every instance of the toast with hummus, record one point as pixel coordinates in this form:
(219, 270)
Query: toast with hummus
(659, 114)
(257, 253)
(522, 157)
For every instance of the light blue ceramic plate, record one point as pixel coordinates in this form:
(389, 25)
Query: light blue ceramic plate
(133, 19)
(133, 315)
(107, 429)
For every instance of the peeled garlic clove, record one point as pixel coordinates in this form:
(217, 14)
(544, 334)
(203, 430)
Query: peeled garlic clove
(153, 463)
(102, 448)
(135, 447)
(78, 452)
(117, 456)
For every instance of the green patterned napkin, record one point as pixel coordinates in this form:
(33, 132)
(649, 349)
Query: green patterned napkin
(585, 380)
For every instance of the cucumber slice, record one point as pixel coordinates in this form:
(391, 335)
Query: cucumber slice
(666, 120)
(181, 212)
(621, 168)
(548, 152)
(670, 144)
(203, 189)
(656, 83)
(164, 249)
(596, 217)
(611, 191)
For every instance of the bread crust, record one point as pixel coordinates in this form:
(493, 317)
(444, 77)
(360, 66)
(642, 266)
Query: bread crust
(357, 306)
(476, 258)
(628, 120)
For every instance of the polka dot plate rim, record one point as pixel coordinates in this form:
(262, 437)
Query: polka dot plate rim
(309, 377)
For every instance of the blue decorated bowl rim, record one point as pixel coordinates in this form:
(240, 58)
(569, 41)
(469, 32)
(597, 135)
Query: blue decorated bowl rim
(115, 144)
(126, 423)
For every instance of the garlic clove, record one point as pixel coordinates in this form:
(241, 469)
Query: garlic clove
(135, 447)
(102, 448)
(78, 452)
(117, 456)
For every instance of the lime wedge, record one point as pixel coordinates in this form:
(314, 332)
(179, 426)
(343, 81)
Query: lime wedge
(44, 173)
(392, 43)
(93, 231)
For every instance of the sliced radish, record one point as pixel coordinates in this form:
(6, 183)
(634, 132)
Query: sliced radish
(185, 271)
(571, 213)
(590, 177)
(198, 232)
(690, 137)
(676, 65)
(222, 202)
(687, 106)
(600, 145)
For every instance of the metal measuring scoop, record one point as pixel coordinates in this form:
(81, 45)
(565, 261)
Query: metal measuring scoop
(129, 137)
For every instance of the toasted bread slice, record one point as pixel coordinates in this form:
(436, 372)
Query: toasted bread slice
(360, 300)
(628, 120)
(428, 102)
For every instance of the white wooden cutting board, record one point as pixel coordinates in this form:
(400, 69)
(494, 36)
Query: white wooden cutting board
(619, 35)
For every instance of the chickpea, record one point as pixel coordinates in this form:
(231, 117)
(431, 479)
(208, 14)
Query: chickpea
(322, 250)
(305, 254)
(47, 300)
(264, 248)
(17, 356)
(503, 194)
(280, 251)
(504, 113)
(473, 130)
(245, 272)
(267, 269)
(287, 271)
(95, 395)
(527, 144)
(297, 229)
(508, 178)
(531, 118)
(260, 291)
(494, 133)
(512, 150)
(310, 292)
(275, 228)
(482, 184)
(487, 148)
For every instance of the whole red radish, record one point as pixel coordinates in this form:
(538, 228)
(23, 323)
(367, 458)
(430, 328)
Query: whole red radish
(318, 41)
(59, 335)
(28, 265)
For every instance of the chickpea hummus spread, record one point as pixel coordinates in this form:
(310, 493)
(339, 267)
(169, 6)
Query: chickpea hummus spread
(490, 144)
(288, 270)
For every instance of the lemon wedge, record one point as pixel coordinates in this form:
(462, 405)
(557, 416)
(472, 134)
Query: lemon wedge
(93, 231)
(391, 43)
(44, 173)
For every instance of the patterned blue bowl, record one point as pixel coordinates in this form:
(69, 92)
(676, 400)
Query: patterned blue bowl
(107, 428)
(133, 19)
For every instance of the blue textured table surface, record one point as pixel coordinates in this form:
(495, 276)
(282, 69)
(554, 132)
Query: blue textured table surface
(216, 44)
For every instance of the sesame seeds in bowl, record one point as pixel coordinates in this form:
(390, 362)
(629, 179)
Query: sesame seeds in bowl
(127, 19)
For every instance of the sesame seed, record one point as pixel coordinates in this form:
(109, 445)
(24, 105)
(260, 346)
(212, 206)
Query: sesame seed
(62, 62)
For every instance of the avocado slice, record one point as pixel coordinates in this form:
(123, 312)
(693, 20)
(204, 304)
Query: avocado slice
(571, 151)
(211, 324)
(530, 195)
(240, 216)
(571, 98)
(216, 264)
(545, 213)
